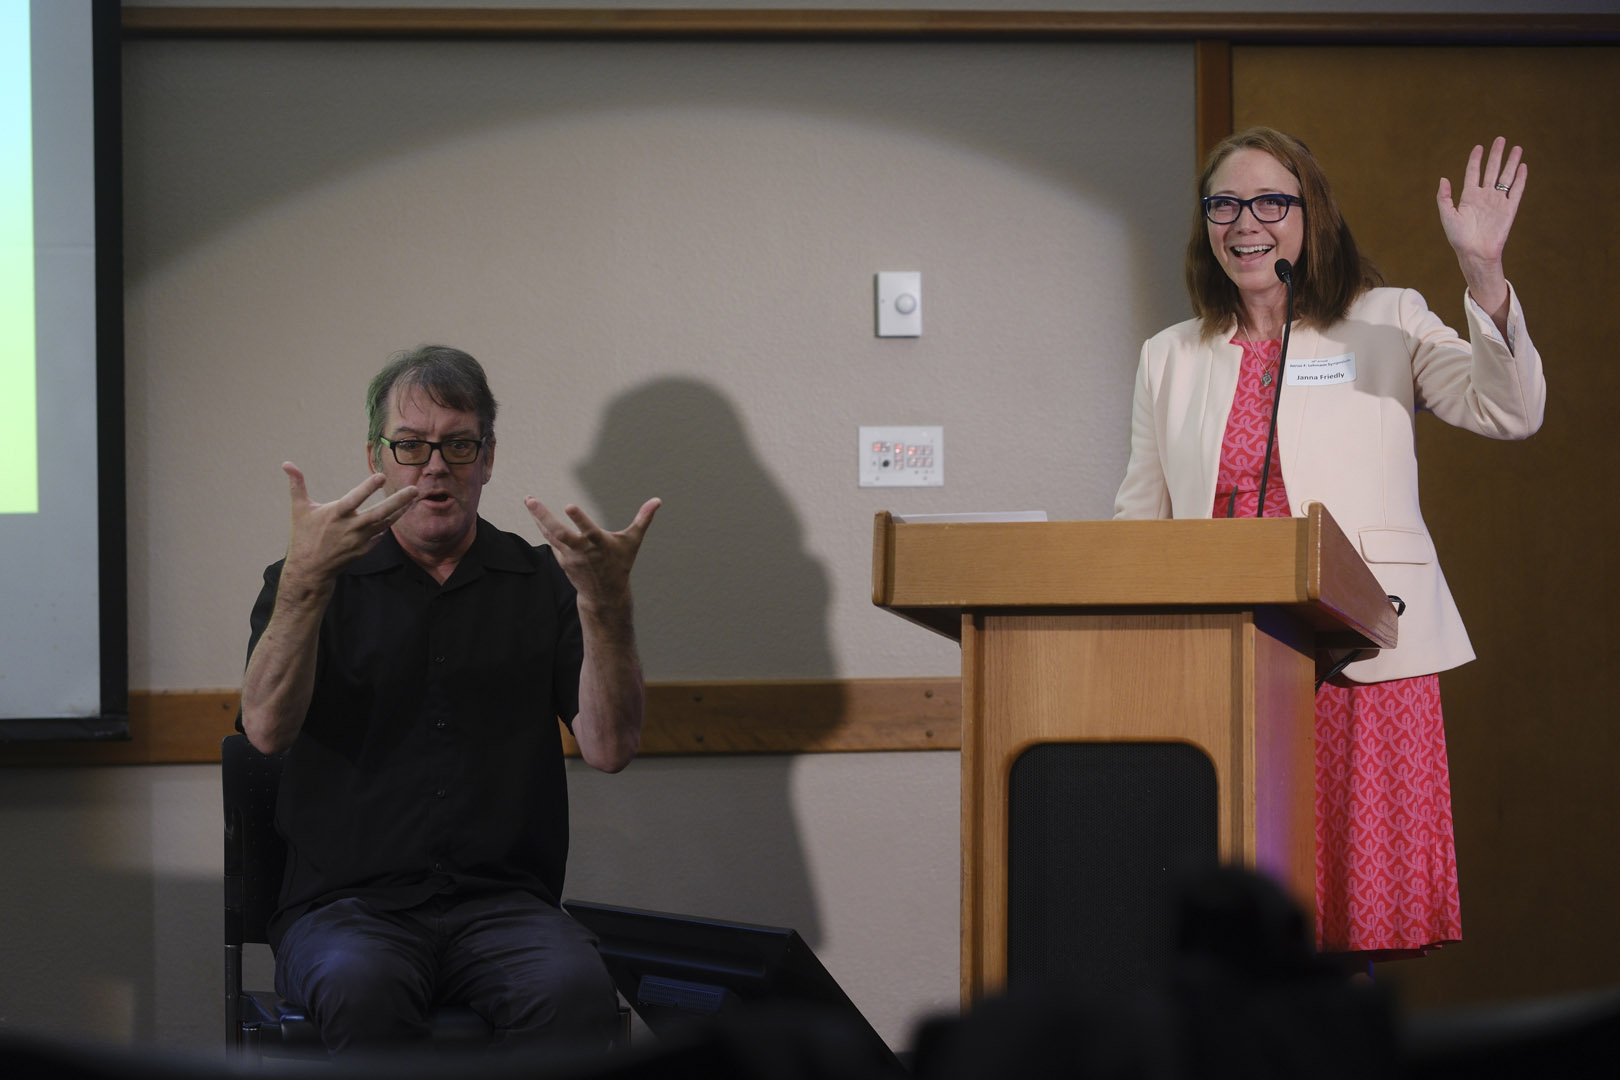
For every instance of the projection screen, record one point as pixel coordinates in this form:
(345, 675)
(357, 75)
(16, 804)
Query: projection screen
(63, 609)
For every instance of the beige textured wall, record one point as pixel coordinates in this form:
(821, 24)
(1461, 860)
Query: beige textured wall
(664, 256)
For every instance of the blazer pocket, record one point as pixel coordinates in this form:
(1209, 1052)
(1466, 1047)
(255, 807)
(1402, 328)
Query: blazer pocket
(1396, 546)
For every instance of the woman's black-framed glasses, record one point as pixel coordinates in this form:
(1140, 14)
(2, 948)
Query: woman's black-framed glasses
(419, 451)
(1224, 209)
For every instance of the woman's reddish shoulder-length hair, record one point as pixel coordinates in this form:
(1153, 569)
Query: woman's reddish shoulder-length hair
(1331, 271)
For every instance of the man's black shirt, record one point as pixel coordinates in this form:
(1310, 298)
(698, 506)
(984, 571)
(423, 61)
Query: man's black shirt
(430, 758)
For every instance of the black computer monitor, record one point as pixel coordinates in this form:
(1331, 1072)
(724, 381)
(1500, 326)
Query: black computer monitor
(675, 970)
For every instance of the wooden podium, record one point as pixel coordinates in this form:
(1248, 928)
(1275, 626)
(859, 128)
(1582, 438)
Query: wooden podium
(1194, 632)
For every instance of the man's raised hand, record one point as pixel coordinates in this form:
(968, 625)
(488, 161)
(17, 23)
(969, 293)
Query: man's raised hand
(598, 562)
(326, 537)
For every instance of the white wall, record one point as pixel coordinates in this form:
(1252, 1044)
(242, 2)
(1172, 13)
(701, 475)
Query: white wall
(110, 920)
(664, 256)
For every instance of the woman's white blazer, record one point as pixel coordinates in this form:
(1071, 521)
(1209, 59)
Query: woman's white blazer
(1345, 438)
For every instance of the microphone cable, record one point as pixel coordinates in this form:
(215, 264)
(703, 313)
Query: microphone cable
(1355, 654)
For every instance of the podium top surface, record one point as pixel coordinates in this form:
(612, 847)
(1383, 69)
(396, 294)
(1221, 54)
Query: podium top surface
(933, 573)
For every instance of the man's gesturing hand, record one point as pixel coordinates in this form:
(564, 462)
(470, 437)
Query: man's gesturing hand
(596, 561)
(328, 536)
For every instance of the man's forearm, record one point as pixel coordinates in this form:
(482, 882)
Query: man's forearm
(608, 726)
(280, 678)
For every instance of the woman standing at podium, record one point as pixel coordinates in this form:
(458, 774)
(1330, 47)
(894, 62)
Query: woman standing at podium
(1361, 359)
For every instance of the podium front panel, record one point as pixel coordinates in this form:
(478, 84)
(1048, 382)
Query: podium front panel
(1233, 684)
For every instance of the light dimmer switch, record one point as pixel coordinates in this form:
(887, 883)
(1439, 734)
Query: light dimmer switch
(899, 303)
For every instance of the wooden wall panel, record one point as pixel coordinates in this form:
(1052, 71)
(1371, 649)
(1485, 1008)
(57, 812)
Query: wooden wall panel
(1525, 530)
(1212, 75)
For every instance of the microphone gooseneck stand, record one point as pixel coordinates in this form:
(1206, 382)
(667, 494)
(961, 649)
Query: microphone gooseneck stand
(1285, 271)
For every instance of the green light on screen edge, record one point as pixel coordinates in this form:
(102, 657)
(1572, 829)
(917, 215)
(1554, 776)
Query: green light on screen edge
(19, 475)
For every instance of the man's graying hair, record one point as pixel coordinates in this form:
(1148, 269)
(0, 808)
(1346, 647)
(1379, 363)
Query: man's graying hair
(449, 377)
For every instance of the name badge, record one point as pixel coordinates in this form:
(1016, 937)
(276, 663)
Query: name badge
(1321, 371)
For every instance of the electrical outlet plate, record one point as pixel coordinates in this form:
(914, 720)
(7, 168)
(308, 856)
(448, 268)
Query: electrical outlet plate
(902, 457)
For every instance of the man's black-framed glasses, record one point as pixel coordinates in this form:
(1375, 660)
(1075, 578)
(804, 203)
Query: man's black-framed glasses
(459, 451)
(1224, 209)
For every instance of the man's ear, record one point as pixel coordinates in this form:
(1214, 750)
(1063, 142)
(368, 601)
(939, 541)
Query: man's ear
(371, 458)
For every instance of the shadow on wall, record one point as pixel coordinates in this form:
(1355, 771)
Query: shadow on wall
(724, 589)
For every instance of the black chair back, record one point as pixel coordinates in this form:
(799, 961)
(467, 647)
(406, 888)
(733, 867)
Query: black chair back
(255, 855)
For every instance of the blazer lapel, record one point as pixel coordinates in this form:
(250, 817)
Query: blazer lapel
(1225, 361)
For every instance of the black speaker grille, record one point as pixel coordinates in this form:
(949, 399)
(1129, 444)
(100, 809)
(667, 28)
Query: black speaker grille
(1100, 835)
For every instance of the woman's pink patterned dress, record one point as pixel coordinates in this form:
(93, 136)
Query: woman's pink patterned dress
(1386, 868)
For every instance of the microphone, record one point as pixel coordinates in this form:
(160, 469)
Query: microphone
(1285, 271)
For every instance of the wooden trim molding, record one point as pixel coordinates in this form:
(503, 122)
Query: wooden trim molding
(625, 23)
(787, 716)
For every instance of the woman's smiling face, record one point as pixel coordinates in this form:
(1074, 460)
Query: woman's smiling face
(1248, 249)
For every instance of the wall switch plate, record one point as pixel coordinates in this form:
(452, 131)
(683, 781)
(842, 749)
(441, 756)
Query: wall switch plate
(902, 457)
(899, 303)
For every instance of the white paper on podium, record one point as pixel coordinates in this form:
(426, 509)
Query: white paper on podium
(991, 515)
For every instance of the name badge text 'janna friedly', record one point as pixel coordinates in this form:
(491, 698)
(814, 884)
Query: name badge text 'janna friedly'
(1321, 370)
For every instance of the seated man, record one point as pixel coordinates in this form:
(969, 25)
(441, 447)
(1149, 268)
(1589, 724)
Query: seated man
(412, 661)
